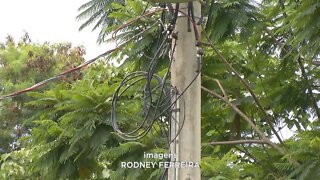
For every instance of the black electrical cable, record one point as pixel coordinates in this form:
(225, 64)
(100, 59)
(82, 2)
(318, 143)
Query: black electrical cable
(147, 93)
(164, 174)
(166, 120)
(137, 77)
(156, 115)
(157, 102)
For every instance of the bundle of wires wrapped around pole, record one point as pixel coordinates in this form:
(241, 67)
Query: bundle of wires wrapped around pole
(154, 94)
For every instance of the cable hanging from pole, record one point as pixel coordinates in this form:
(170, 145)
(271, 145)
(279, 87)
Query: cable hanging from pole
(154, 92)
(149, 91)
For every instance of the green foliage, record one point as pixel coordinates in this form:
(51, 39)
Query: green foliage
(229, 18)
(273, 46)
(300, 15)
(13, 165)
(21, 66)
(142, 33)
(73, 131)
(224, 168)
(74, 128)
(275, 78)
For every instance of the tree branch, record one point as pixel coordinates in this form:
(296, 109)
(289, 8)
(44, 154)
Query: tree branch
(303, 72)
(249, 141)
(246, 118)
(307, 82)
(247, 86)
(250, 122)
(248, 154)
(219, 84)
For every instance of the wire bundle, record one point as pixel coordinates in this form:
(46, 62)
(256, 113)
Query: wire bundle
(140, 103)
(148, 91)
(146, 99)
(144, 96)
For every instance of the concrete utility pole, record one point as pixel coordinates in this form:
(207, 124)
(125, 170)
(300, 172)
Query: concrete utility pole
(186, 147)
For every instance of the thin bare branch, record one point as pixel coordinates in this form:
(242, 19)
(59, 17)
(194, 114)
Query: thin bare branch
(248, 141)
(219, 84)
(247, 86)
(303, 71)
(246, 118)
(250, 122)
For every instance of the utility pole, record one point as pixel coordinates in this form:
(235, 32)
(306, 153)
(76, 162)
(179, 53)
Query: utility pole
(187, 145)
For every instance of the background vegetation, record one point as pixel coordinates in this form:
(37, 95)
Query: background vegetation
(260, 75)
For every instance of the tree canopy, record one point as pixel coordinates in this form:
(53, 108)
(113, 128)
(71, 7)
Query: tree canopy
(260, 79)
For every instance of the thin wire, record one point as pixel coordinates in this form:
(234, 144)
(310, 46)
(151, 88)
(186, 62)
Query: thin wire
(164, 175)
(136, 137)
(38, 85)
(42, 83)
(153, 12)
(147, 93)
(149, 76)
(143, 128)
(117, 96)
(166, 99)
